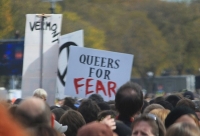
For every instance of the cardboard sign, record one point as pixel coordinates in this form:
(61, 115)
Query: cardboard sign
(67, 40)
(34, 38)
(96, 71)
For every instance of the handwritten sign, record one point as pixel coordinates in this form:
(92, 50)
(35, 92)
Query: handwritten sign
(49, 38)
(96, 71)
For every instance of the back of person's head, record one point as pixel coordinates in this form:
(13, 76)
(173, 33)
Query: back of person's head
(152, 107)
(129, 99)
(178, 112)
(161, 114)
(95, 129)
(40, 93)
(32, 112)
(189, 95)
(186, 103)
(65, 107)
(103, 106)
(74, 120)
(173, 99)
(159, 98)
(166, 105)
(96, 97)
(58, 112)
(70, 102)
(105, 113)
(157, 127)
(8, 126)
(183, 129)
(89, 110)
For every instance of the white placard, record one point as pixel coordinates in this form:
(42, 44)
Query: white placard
(32, 48)
(71, 39)
(96, 71)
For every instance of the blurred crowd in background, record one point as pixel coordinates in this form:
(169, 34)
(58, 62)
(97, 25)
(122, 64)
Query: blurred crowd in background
(130, 114)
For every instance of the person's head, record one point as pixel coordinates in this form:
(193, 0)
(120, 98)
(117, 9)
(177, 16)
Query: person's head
(181, 114)
(166, 105)
(186, 103)
(152, 107)
(32, 112)
(160, 113)
(58, 112)
(129, 99)
(104, 106)
(68, 101)
(96, 97)
(183, 129)
(159, 98)
(105, 113)
(189, 95)
(74, 120)
(95, 129)
(89, 109)
(148, 125)
(173, 99)
(40, 93)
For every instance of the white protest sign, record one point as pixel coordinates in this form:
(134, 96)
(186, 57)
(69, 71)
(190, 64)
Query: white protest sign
(67, 40)
(96, 71)
(32, 59)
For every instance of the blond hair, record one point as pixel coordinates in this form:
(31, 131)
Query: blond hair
(40, 93)
(160, 113)
(183, 129)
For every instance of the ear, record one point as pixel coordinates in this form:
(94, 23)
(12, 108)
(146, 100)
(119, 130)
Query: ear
(52, 120)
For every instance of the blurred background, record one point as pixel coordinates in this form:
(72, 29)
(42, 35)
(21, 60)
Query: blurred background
(163, 35)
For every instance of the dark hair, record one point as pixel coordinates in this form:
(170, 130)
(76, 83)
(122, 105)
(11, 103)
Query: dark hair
(70, 102)
(159, 98)
(65, 107)
(89, 110)
(96, 97)
(173, 99)
(186, 103)
(158, 128)
(18, 100)
(166, 105)
(103, 106)
(58, 112)
(129, 99)
(53, 107)
(177, 113)
(74, 120)
(105, 113)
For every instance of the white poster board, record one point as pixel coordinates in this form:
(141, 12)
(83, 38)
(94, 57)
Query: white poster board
(96, 71)
(67, 40)
(32, 62)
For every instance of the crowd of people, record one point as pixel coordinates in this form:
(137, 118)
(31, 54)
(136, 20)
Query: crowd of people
(130, 114)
